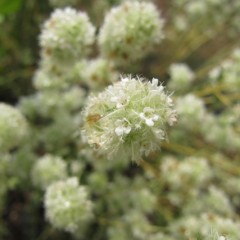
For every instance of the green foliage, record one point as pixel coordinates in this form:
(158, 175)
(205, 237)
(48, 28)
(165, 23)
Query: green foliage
(9, 7)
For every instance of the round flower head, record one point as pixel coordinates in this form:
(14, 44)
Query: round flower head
(129, 118)
(67, 205)
(181, 77)
(130, 31)
(13, 127)
(47, 170)
(67, 35)
(184, 177)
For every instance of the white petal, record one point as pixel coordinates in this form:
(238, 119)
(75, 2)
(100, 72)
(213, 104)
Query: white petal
(127, 130)
(125, 80)
(119, 131)
(154, 82)
(149, 122)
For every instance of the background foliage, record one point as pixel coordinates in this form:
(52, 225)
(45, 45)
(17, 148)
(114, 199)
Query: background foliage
(203, 42)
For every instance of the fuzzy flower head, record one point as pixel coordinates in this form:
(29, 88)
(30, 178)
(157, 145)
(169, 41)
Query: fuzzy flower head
(130, 31)
(13, 127)
(129, 118)
(67, 34)
(48, 169)
(67, 205)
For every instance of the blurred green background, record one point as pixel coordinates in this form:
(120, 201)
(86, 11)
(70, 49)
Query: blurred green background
(20, 24)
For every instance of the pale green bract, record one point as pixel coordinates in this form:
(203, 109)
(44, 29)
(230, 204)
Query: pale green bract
(129, 119)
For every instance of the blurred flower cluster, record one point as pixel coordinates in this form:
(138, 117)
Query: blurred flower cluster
(132, 130)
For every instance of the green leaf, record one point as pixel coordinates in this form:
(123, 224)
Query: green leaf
(9, 6)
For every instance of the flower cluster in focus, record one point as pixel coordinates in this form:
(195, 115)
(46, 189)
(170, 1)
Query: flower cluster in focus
(129, 118)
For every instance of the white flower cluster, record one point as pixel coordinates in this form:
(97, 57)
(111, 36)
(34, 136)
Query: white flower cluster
(130, 31)
(182, 173)
(98, 73)
(200, 227)
(207, 14)
(134, 225)
(51, 102)
(67, 205)
(191, 110)
(228, 72)
(129, 118)
(67, 35)
(57, 135)
(222, 134)
(184, 177)
(181, 77)
(47, 170)
(137, 195)
(201, 7)
(218, 130)
(13, 127)
(213, 200)
(51, 75)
